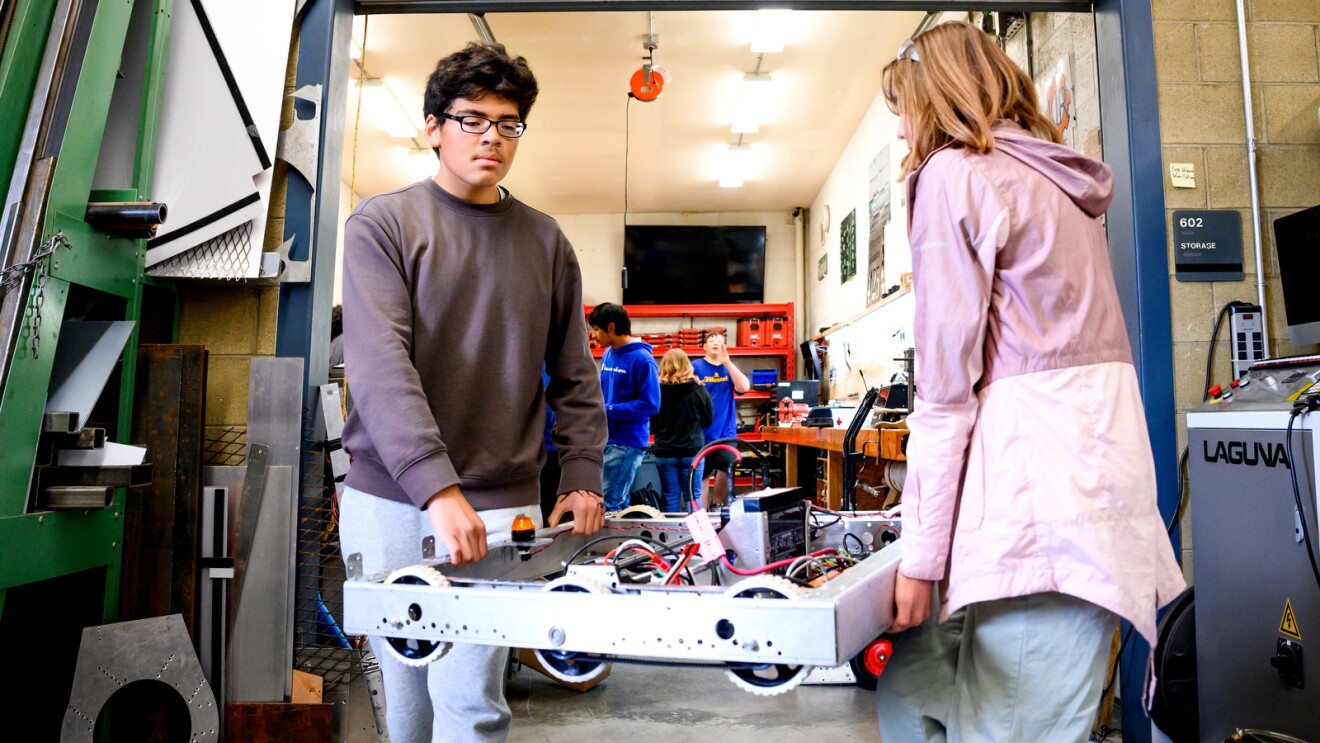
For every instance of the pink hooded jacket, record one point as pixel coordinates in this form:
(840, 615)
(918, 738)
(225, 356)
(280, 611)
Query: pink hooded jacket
(1029, 464)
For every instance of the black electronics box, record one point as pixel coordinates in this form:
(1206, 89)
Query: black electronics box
(819, 417)
(800, 391)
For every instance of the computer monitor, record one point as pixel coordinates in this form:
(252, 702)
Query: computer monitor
(1297, 242)
(801, 391)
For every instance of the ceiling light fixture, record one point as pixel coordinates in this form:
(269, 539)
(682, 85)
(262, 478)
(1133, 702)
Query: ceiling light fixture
(752, 100)
(770, 31)
(735, 162)
(385, 109)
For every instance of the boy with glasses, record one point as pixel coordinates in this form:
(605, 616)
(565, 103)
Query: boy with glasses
(446, 428)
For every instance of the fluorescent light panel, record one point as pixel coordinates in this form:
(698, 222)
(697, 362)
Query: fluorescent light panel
(752, 101)
(379, 102)
(770, 31)
(734, 164)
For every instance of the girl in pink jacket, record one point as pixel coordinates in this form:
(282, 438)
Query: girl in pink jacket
(1030, 495)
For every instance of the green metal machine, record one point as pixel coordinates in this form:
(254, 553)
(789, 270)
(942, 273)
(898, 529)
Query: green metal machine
(59, 64)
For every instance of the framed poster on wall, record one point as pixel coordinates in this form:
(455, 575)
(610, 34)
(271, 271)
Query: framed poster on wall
(848, 247)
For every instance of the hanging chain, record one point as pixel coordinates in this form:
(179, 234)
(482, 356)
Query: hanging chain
(11, 276)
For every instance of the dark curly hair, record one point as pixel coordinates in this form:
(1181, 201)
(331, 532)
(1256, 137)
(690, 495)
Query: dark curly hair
(478, 70)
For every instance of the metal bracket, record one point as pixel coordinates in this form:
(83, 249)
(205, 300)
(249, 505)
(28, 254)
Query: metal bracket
(332, 414)
(114, 655)
(254, 489)
(289, 270)
(300, 147)
(428, 548)
(300, 144)
(354, 566)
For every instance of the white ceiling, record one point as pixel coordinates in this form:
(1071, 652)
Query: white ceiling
(572, 158)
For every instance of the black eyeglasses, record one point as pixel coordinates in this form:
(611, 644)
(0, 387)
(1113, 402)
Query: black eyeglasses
(481, 125)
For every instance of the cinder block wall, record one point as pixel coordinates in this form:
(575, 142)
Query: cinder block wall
(1202, 122)
(237, 321)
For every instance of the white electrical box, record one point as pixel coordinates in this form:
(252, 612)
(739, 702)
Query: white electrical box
(1246, 339)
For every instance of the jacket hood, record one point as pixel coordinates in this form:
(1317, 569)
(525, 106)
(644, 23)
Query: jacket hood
(1087, 181)
(688, 386)
(635, 347)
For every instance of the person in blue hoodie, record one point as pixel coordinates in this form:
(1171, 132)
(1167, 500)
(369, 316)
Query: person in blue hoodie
(630, 380)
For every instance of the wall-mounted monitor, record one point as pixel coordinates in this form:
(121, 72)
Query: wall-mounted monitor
(1297, 242)
(693, 265)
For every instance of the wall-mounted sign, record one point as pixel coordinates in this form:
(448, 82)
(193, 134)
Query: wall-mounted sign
(848, 247)
(879, 211)
(1207, 245)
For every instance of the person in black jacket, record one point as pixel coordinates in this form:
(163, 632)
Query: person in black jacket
(685, 409)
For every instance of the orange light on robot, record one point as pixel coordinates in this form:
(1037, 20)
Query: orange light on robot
(524, 530)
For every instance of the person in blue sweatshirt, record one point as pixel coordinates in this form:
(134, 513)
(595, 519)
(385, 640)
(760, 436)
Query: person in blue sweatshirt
(630, 380)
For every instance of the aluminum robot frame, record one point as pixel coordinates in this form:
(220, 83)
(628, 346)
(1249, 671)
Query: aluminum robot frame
(765, 631)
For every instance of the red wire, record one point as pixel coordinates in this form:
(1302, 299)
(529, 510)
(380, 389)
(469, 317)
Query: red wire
(737, 455)
(774, 565)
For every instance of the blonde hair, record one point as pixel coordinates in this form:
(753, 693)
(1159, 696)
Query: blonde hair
(954, 88)
(675, 367)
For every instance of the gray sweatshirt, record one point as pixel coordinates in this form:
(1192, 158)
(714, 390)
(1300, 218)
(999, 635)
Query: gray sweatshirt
(450, 309)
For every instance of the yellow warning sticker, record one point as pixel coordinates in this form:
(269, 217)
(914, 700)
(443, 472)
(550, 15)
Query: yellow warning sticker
(1288, 625)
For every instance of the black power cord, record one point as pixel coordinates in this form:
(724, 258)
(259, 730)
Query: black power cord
(1184, 481)
(1214, 340)
(1301, 408)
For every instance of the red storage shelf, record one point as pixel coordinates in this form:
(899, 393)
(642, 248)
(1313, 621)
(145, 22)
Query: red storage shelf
(735, 312)
(697, 353)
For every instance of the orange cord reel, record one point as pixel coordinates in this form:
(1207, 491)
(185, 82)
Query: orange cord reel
(647, 83)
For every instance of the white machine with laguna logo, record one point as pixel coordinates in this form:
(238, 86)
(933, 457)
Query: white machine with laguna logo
(786, 588)
(1253, 503)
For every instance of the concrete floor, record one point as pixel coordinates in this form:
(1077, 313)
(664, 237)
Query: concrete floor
(679, 704)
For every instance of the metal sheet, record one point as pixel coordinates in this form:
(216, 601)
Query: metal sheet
(260, 660)
(114, 655)
(205, 162)
(254, 36)
(275, 415)
(88, 353)
(108, 455)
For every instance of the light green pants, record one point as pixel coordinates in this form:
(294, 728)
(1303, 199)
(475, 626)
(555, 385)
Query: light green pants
(1030, 668)
(460, 697)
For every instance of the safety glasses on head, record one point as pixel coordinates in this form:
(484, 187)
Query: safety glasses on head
(908, 50)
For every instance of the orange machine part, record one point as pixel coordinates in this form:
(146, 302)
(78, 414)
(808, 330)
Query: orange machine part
(644, 90)
(791, 412)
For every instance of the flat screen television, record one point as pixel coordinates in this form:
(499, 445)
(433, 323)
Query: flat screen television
(1297, 241)
(693, 265)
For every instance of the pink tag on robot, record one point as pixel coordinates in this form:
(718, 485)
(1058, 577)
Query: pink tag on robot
(704, 534)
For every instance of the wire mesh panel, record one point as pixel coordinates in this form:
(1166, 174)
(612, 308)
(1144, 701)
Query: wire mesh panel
(226, 446)
(226, 256)
(320, 646)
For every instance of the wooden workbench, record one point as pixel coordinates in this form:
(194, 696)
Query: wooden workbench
(879, 445)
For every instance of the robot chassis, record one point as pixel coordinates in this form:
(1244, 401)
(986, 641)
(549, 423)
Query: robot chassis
(582, 605)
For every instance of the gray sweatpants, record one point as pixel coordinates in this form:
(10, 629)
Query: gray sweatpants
(1030, 668)
(460, 697)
